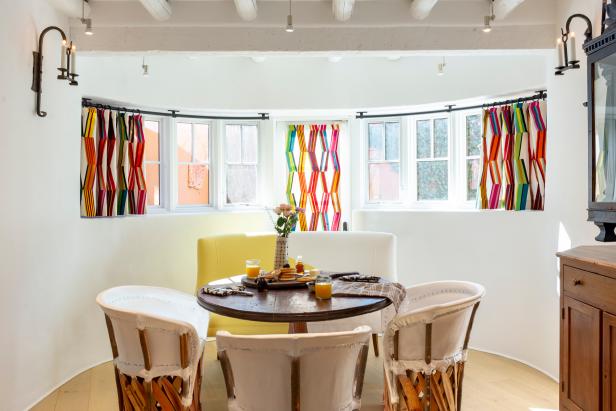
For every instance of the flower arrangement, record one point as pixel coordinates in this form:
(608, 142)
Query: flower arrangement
(287, 219)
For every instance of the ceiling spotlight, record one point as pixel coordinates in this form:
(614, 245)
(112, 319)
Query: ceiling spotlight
(394, 57)
(487, 20)
(87, 22)
(258, 59)
(441, 68)
(290, 28)
(145, 68)
(334, 59)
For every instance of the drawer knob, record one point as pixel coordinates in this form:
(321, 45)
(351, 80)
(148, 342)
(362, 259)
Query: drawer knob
(577, 282)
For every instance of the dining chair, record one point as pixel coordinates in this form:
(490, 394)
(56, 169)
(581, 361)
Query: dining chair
(307, 372)
(361, 251)
(425, 346)
(222, 256)
(157, 338)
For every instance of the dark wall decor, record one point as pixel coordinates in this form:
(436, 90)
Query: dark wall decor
(601, 84)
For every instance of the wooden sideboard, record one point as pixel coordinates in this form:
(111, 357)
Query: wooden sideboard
(588, 328)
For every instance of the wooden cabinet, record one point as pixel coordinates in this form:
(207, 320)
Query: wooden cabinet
(588, 329)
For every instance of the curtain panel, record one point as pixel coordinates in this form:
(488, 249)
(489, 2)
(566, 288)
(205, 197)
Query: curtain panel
(112, 155)
(313, 177)
(513, 157)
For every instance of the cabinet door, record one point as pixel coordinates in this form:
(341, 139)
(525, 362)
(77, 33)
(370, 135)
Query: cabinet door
(609, 362)
(580, 356)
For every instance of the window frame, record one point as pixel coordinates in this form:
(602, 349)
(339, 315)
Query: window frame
(162, 164)
(462, 116)
(175, 206)
(225, 163)
(402, 161)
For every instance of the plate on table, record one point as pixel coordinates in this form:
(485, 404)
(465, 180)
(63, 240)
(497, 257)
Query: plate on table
(277, 285)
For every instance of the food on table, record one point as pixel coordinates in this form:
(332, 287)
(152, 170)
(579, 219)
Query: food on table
(253, 268)
(323, 287)
(287, 274)
(299, 267)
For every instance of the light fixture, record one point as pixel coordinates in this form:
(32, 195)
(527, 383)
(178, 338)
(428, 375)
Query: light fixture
(290, 28)
(487, 20)
(68, 63)
(566, 45)
(145, 67)
(441, 68)
(88, 21)
(334, 58)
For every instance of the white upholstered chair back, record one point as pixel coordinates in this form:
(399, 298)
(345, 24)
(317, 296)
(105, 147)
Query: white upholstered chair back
(155, 332)
(432, 328)
(364, 252)
(311, 372)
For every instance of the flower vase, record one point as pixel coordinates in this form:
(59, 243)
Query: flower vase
(280, 258)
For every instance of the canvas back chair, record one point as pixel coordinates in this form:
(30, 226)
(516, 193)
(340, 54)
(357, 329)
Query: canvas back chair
(307, 372)
(426, 346)
(157, 340)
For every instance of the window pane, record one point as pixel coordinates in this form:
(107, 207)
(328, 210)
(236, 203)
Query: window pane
(384, 182)
(249, 144)
(473, 172)
(233, 143)
(424, 144)
(392, 141)
(193, 184)
(441, 137)
(184, 141)
(473, 135)
(432, 180)
(152, 182)
(150, 131)
(376, 141)
(201, 143)
(241, 184)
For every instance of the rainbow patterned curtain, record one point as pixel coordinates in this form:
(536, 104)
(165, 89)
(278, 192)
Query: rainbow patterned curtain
(112, 150)
(513, 157)
(314, 175)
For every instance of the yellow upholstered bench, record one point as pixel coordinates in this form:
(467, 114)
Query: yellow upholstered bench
(224, 256)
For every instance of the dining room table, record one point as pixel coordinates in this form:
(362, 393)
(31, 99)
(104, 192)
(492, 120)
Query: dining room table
(296, 306)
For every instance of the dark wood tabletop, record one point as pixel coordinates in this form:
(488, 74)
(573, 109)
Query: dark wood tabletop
(292, 306)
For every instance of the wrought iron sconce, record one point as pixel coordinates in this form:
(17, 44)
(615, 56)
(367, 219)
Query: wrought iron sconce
(564, 63)
(67, 66)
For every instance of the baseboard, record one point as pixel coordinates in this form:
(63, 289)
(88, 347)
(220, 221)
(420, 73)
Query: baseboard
(547, 374)
(65, 381)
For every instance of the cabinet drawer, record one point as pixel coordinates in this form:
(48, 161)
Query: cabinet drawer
(595, 289)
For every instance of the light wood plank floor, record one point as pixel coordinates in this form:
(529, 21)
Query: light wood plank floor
(490, 383)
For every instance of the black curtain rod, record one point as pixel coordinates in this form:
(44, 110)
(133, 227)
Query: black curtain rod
(541, 95)
(86, 102)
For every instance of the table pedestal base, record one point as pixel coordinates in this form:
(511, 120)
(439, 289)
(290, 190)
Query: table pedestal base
(298, 328)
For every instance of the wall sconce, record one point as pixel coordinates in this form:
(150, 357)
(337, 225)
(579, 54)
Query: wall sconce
(568, 40)
(67, 66)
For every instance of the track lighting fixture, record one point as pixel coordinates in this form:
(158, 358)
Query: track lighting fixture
(441, 68)
(290, 28)
(487, 20)
(88, 21)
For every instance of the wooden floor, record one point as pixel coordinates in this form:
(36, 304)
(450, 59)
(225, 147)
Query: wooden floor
(490, 383)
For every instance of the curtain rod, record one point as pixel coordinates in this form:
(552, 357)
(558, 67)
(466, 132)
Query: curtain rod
(540, 95)
(86, 102)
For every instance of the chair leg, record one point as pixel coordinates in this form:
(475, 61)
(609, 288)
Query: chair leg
(375, 344)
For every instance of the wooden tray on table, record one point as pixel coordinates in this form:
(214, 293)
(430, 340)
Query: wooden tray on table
(277, 285)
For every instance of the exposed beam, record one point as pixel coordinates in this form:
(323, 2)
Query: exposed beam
(342, 9)
(502, 8)
(247, 9)
(71, 8)
(159, 9)
(420, 9)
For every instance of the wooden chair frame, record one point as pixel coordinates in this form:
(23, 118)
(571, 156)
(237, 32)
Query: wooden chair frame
(358, 379)
(440, 391)
(162, 393)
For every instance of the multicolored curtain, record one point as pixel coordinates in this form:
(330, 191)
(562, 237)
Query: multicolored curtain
(112, 150)
(513, 157)
(314, 175)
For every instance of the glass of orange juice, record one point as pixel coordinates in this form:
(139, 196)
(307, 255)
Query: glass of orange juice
(253, 267)
(323, 287)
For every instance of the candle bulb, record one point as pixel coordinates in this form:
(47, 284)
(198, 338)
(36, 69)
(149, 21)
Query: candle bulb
(73, 59)
(63, 55)
(573, 47)
(561, 52)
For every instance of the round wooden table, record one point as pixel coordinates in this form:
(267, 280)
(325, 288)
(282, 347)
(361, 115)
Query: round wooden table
(294, 306)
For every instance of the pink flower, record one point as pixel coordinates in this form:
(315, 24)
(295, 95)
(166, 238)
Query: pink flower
(277, 210)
